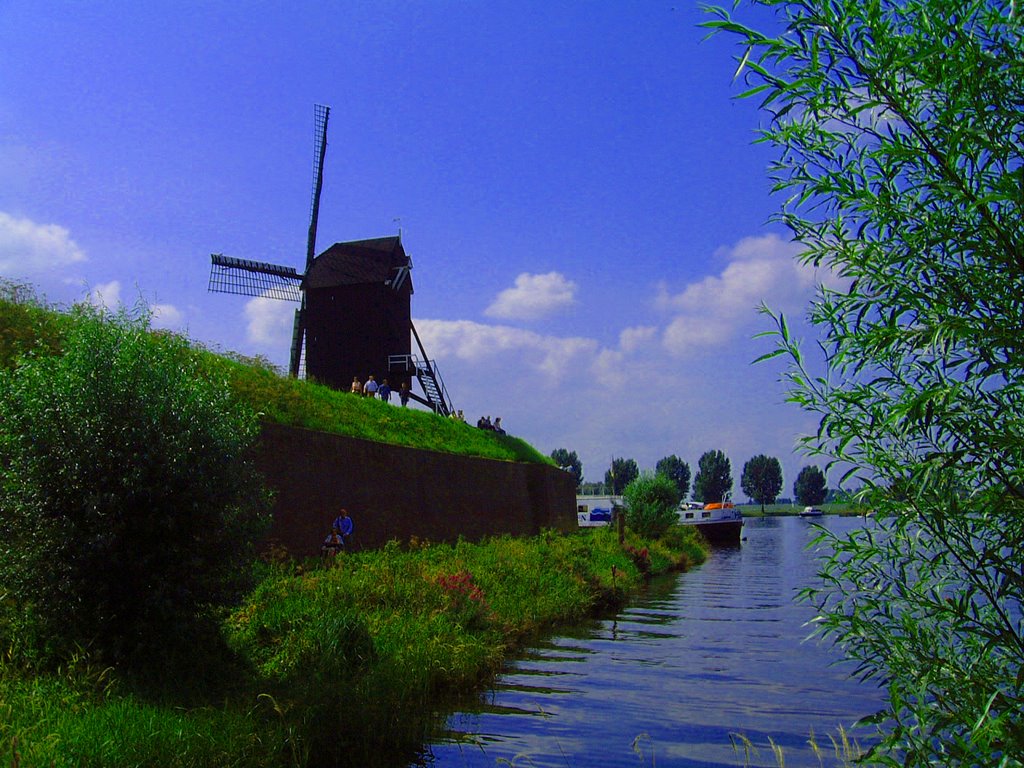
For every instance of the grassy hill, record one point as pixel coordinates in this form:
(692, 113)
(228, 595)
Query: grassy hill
(28, 325)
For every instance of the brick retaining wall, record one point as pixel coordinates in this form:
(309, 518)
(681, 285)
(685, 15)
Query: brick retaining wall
(393, 492)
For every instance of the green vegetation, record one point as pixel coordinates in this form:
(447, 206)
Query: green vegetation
(762, 479)
(28, 325)
(678, 471)
(714, 477)
(126, 514)
(127, 503)
(342, 659)
(810, 488)
(778, 510)
(900, 141)
(651, 501)
(569, 461)
(620, 474)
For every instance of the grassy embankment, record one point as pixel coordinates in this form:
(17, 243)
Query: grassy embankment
(27, 325)
(339, 665)
(844, 508)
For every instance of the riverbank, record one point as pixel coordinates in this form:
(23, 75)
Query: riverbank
(335, 665)
(841, 508)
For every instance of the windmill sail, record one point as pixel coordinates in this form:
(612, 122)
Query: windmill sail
(243, 277)
(320, 114)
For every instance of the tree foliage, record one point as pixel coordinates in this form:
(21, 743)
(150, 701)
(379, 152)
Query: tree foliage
(810, 486)
(569, 461)
(678, 471)
(651, 504)
(900, 135)
(127, 502)
(621, 473)
(762, 479)
(714, 477)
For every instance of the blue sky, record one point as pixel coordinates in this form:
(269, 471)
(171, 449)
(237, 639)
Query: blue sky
(576, 183)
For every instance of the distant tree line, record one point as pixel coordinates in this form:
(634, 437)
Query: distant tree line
(761, 480)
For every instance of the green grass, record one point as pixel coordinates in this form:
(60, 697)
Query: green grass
(344, 661)
(838, 508)
(28, 325)
(284, 400)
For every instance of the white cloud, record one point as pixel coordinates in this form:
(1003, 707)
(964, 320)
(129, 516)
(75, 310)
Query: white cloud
(533, 297)
(270, 321)
(550, 356)
(106, 295)
(632, 339)
(166, 316)
(28, 248)
(631, 398)
(714, 310)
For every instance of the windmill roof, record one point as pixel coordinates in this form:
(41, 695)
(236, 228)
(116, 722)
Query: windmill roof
(357, 262)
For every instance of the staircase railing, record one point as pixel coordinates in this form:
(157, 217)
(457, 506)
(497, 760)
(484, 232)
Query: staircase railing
(435, 392)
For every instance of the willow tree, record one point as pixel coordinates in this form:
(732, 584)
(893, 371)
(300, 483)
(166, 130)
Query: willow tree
(899, 129)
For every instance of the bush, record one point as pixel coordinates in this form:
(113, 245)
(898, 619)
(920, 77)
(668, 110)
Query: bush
(651, 504)
(127, 505)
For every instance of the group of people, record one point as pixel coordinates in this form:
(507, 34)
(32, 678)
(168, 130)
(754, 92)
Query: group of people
(337, 539)
(484, 422)
(382, 390)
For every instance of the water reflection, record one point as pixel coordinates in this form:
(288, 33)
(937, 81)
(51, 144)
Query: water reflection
(716, 651)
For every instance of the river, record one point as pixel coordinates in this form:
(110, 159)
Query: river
(719, 650)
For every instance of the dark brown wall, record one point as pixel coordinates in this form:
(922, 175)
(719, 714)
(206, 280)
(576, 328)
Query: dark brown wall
(396, 493)
(351, 331)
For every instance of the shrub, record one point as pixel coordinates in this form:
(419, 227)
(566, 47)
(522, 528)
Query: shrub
(651, 504)
(127, 504)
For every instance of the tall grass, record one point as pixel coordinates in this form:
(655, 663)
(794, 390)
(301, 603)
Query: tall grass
(841, 751)
(342, 664)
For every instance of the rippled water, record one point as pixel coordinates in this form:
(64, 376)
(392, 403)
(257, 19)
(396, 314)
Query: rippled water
(715, 651)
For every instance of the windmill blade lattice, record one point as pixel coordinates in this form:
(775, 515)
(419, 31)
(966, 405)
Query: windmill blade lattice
(243, 277)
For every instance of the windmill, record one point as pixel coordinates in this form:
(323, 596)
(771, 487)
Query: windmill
(354, 315)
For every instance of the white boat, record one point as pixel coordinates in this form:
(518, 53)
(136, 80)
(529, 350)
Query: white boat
(811, 512)
(720, 523)
(595, 511)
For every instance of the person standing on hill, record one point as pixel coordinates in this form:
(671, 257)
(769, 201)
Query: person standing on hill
(370, 387)
(403, 394)
(384, 393)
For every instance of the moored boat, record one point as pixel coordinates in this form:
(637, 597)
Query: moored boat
(720, 523)
(594, 511)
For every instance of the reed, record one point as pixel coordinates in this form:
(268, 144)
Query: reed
(841, 752)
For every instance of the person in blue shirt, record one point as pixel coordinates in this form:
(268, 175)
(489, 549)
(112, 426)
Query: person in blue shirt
(343, 526)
